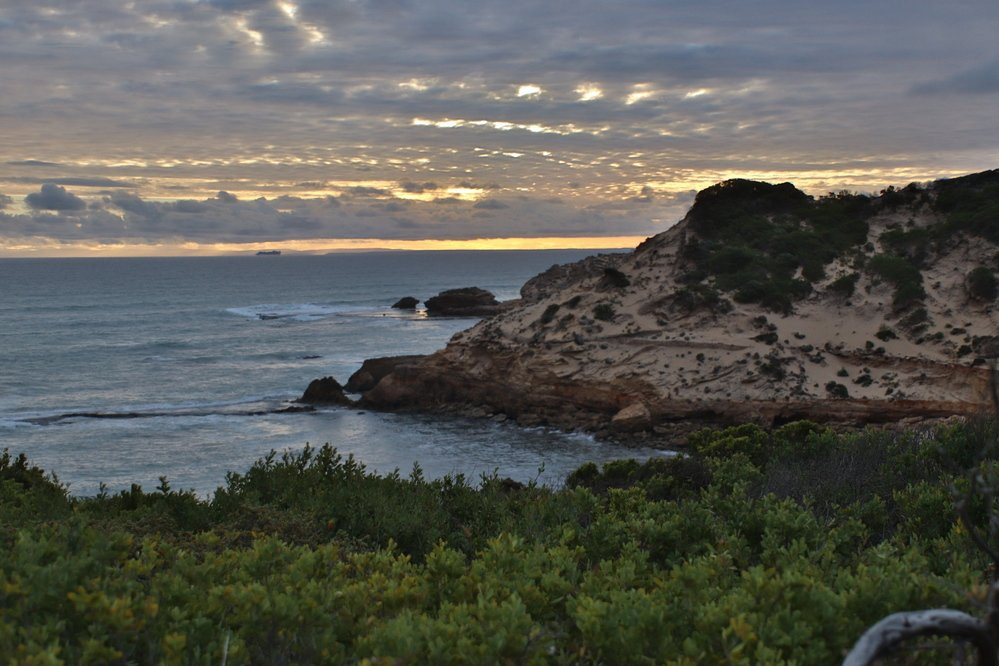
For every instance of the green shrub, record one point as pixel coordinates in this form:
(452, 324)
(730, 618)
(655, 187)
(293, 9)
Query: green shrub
(845, 285)
(837, 390)
(549, 314)
(915, 320)
(767, 338)
(913, 245)
(754, 237)
(885, 334)
(970, 204)
(696, 296)
(901, 273)
(757, 546)
(615, 278)
(603, 312)
(982, 284)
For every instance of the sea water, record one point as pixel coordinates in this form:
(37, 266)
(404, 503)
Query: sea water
(122, 370)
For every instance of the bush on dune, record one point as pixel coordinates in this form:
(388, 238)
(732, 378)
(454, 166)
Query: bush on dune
(756, 547)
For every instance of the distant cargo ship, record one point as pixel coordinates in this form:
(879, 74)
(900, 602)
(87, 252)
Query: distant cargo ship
(265, 252)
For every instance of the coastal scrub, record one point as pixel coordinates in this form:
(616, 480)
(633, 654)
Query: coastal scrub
(755, 547)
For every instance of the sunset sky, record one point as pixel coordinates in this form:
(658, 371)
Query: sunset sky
(212, 126)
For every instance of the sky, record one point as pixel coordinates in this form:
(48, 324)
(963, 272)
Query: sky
(217, 126)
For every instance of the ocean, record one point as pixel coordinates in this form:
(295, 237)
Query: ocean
(123, 370)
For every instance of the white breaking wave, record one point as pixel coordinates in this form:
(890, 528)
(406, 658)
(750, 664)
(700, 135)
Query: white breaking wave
(299, 311)
(249, 405)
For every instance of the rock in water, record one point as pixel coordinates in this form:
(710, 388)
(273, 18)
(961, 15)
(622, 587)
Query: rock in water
(373, 369)
(325, 391)
(465, 302)
(406, 303)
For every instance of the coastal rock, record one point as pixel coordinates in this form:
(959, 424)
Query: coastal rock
(325, 391)
(654, 343)
(562, 276)
(635, 416)
(406, 303)
(372, 371)
(464, 302)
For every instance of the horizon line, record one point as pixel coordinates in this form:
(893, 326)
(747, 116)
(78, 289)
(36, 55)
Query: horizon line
(55, 250)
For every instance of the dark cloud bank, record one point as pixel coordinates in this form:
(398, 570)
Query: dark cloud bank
(60, 215)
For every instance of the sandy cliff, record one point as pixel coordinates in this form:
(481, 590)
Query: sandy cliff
(762, 304)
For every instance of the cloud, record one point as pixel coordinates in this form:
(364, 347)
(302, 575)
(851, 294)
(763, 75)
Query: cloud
(75, 182)
(417, 188)
(5, 201)
(646, 196)
(469, 185)
(54, 197)
(371, 98)
(188, 206)
(132, 203)
(33, 163)
(127, 216)
(365, 191)
(237, 5)
(982, 80)
(490, 204)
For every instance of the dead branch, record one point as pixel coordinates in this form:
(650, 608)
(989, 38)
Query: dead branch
(887, 635)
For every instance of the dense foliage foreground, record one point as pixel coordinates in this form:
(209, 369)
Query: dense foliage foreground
(763, 548)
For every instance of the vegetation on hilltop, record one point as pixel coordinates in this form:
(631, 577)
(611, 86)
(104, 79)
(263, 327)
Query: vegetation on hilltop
(757, 547)
(769, 244)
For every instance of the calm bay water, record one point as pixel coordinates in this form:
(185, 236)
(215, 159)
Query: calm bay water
(186, 353)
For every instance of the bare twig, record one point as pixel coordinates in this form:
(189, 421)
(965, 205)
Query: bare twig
(887, 635)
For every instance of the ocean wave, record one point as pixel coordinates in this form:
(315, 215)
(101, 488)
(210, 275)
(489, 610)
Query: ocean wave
(300, 311)
(257, 406)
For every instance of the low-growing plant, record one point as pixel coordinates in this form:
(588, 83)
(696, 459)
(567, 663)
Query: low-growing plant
(916, 320)
(549, 314)
(837, 390)
(845, 285)
(614, 278)
(692, 297)
(885, 334)
(755, 545)
(603, 312)
(903, 274)
(981, 283)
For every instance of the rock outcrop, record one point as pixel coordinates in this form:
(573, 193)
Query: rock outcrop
(406, 303)
(325, 391)
(373, 370)
(763, 305)
(464, 302)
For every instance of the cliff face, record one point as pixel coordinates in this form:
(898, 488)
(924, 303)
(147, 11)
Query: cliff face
(762, 304)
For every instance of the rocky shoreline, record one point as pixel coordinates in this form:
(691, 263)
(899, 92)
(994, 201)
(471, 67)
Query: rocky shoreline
(686, 331)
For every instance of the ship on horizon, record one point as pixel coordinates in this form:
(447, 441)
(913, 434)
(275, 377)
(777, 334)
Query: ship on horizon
(268, 252)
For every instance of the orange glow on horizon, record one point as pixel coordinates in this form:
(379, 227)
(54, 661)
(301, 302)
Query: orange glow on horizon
(48, 248)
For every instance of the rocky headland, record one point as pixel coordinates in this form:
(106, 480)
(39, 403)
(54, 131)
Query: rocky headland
(762, 305)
